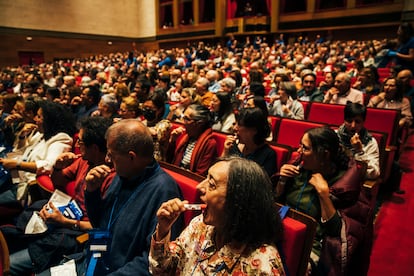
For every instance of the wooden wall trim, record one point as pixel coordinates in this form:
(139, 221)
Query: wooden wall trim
(31, 32)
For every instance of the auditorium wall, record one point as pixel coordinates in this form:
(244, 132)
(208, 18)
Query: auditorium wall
(71, 28)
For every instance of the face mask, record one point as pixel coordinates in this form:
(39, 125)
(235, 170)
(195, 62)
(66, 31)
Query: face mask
(149, 114)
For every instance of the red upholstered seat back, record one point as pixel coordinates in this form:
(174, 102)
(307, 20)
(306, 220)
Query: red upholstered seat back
(332, 114)
(45, 182)
(384, 120)
(293, 243)
(188, 184)
(381, 139)
(384, 73)
(291, 131)
(274, 125)
(220, 137)
(319, 79)
(306, 107)
(299, 233)
(283, 153)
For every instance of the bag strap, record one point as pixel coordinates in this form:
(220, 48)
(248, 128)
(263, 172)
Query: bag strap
(283, 211)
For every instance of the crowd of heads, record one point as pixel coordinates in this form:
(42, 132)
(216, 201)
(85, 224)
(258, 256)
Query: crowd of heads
(225, 79)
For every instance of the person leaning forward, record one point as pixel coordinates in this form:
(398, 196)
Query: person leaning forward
(126, 216)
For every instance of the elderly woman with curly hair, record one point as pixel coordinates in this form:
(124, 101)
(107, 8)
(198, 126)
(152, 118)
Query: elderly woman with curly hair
(57, 125)
(231, 236)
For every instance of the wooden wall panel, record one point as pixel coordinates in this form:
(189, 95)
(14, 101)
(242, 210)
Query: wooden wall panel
(58, 47)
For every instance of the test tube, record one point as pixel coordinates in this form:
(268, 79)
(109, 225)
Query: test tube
(195, 207)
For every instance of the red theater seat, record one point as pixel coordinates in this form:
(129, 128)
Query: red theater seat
(299, 232)
(306, 107)
(319, 79)
(283, 153)
(187, 181)
(384, 120)
(332, 114)
(384, 72)
(220, 138)
(45, 182)
(291, 131)
(274, 125)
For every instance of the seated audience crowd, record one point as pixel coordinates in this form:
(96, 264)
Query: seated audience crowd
(102, 124)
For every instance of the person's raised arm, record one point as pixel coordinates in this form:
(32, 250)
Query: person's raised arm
(321, 186)
(64, 160)
(286, 171)
(167, 214)
(228, 143)
(96, 176)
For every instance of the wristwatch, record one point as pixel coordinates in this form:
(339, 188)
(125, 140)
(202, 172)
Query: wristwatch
(76, 226)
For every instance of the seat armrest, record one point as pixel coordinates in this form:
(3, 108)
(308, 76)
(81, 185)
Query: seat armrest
(391, 148)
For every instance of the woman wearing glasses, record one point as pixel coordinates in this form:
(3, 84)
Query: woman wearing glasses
(56, 123)
(325, 184)
(236, 234)
(196, 147)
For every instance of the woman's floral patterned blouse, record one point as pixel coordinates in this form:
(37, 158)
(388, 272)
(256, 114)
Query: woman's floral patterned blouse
(191, 253)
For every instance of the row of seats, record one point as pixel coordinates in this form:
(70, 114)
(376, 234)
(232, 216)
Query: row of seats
(299, 229)
(378, 119)
(383, 124)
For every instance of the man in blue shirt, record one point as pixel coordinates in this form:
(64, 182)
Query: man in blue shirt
(126, 216)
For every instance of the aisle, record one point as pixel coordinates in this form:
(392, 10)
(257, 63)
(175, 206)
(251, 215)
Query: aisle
(393, 252)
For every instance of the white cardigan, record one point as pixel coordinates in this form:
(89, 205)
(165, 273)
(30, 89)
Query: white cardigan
(44, 154)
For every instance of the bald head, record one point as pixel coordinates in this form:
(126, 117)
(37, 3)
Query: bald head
(131, 135)
(342, 83)
(405, 76)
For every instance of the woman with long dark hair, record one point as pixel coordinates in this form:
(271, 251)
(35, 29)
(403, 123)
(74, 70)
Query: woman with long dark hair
(325, 184)
(57, 124)
(222, 109)
(237, 233)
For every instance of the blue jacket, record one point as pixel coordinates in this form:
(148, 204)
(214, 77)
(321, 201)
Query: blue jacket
(133, 205)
